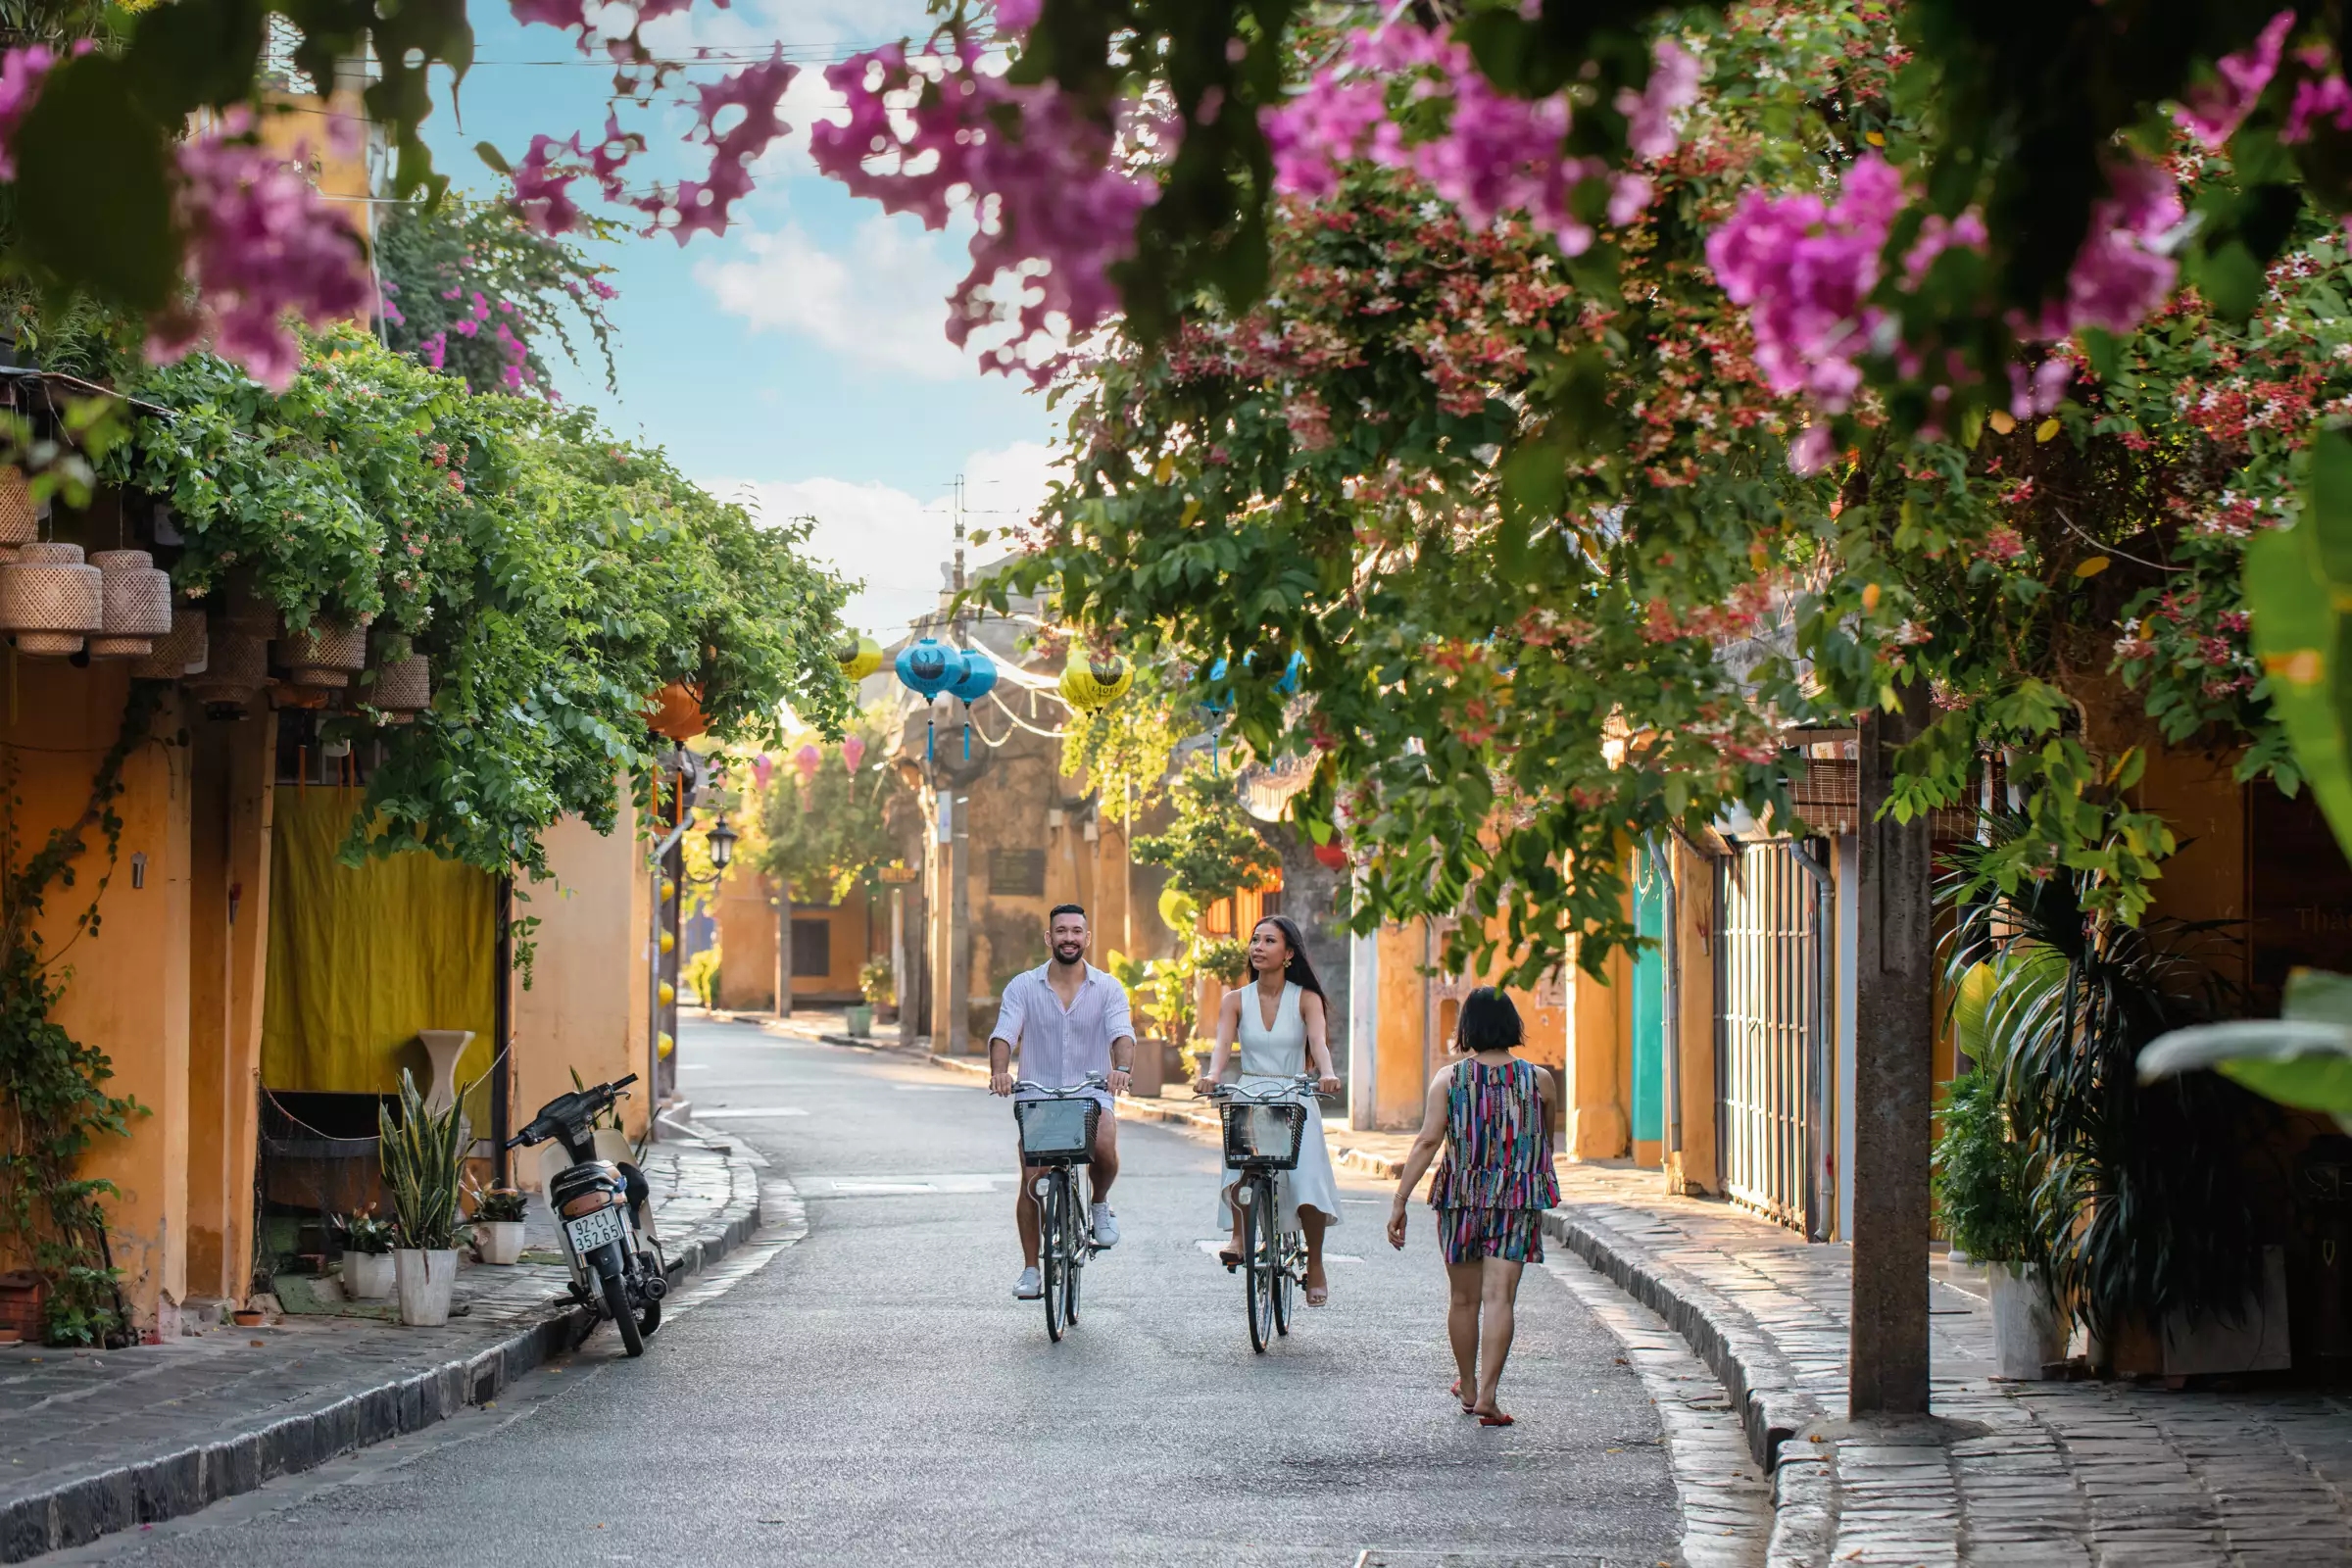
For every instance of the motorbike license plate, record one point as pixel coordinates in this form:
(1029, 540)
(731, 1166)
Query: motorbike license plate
(592, 1231)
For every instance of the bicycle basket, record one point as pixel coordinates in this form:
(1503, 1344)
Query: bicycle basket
(1061, 1130)
(1263, 1134)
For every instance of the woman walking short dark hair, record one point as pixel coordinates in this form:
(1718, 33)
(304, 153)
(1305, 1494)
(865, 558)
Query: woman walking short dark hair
(1492, 1112)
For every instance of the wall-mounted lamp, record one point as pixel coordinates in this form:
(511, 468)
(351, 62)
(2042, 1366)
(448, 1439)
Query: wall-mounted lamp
(138, 869)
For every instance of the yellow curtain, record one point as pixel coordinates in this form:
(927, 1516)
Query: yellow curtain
(359, 959)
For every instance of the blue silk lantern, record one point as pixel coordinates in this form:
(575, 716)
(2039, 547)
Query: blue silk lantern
(975, 674)
(926, 668)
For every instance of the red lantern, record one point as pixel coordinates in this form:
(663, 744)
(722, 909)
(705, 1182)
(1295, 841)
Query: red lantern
(761, 766)
(852, 752)
(1331, 854)
(807, 760)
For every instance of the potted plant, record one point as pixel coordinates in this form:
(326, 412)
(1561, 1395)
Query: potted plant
(497, 1223)
(1983, 1177)
(424, 1158)
(368, 1239)
(876, 985)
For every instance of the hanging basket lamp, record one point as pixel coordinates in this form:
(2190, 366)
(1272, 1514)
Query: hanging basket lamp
(136, 604)
(235, 670)
(402, 687)
(184, 650)
(859, 658)
(1090, 685)
(51, 599)
(246, 609)
(19, 521)
(323, 653)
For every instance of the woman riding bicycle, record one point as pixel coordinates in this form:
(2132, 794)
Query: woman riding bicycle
(1280, 1020)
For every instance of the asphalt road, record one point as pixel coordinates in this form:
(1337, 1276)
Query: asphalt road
(874, 1395)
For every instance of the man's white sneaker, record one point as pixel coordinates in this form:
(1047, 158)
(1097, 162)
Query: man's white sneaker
(1028, 1288)
(1106, 1226)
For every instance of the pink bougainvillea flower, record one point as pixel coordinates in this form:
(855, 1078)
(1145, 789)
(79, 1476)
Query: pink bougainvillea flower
(1018, 16)
(21, 73)
(704, 206)
(1041, 172)
(1497, 153)
(261, 244)
(2322, 98)
(2213, 111)
(1802, 267)
(2121, 273)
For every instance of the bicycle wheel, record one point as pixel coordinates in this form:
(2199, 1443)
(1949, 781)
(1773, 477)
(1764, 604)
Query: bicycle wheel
(1050, 1206)
(1074, 1225)
(1260, 1261)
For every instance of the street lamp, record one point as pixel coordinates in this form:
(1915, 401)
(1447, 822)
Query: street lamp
(722, 839)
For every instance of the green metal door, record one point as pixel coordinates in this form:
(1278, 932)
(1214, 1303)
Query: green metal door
(1650, 1000)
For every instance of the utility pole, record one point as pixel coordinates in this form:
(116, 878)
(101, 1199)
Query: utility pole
(1894, 1032)
(959, 852)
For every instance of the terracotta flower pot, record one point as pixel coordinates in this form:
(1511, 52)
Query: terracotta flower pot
(51, 599)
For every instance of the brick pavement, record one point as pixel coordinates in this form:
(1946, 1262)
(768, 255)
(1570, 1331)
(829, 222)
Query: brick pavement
(92, 1442)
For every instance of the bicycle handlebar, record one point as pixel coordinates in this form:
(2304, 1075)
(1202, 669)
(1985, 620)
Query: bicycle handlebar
(1271, 1092)
(1093, 1080)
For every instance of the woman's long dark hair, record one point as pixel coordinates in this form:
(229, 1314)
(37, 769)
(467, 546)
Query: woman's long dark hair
(1297, 972)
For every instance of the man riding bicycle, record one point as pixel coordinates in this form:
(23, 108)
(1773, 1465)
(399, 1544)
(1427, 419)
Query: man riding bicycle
(1070, 1020)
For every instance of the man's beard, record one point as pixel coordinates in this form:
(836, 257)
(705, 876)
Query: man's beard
(1069, 953)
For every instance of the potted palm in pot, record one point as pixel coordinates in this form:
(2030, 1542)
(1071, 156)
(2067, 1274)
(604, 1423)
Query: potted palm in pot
(497, 1223)
(424, 1158)
(367, 1238)
(1983, 1179)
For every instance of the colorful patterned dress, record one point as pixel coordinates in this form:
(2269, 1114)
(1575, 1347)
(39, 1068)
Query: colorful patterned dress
(1495, 1178)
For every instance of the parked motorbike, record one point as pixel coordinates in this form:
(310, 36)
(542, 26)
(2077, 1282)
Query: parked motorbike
(618, 1271)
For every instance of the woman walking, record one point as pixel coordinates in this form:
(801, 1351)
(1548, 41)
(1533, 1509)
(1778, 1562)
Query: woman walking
(1280, 1020)
(1492, 1113)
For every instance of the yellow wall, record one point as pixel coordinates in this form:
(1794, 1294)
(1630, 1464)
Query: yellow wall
(746, 942)
(587, 1007)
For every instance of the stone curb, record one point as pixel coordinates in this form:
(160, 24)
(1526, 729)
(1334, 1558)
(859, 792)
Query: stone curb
(1742, 1357)
(80, 1511)
(1805, 1510)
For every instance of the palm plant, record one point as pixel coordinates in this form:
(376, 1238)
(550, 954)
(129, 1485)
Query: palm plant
(423, 1162)
(2140, 1203)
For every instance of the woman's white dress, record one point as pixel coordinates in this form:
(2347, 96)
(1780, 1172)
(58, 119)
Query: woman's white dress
(1270, 1057)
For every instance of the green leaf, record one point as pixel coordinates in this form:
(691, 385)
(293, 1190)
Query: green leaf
(2231, 278)
(489, 154)
(111, 235)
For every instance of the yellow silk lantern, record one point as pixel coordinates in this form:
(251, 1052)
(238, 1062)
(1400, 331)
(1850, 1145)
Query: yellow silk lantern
(859, 658)
(669, 993)
(667, 1045)
(1094, 683)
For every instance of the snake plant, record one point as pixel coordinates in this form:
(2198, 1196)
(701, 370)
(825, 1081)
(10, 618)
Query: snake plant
(423, 1161)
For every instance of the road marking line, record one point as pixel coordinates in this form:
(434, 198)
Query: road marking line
(748, 1113)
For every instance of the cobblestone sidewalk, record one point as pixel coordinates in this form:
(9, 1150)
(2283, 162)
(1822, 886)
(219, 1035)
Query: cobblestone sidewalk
(93, 1442)
(2111, 1474)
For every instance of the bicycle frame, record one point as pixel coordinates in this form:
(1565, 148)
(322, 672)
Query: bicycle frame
(1066, 1237)
(1273, 1260)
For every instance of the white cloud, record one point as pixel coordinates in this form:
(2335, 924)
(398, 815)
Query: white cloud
(896, 541)
(884, 299)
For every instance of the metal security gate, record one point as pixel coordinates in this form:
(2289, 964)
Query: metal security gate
(1772, 1030)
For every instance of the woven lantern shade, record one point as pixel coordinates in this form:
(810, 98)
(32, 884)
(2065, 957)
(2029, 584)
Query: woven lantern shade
(404, 686)
(181, 650)
(19, 524)
(859, 658)
(236, 669)
(50, 598)
(249, 610)
(135, 603)
(324, 654)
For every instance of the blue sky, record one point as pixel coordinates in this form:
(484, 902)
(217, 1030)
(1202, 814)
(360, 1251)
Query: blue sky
(799, 358)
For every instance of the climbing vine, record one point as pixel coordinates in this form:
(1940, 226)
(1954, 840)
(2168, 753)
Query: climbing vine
(54, 1104)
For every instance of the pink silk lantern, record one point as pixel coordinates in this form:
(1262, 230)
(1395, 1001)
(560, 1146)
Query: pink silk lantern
(807, 760)
(852, 752)
(761, 766)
